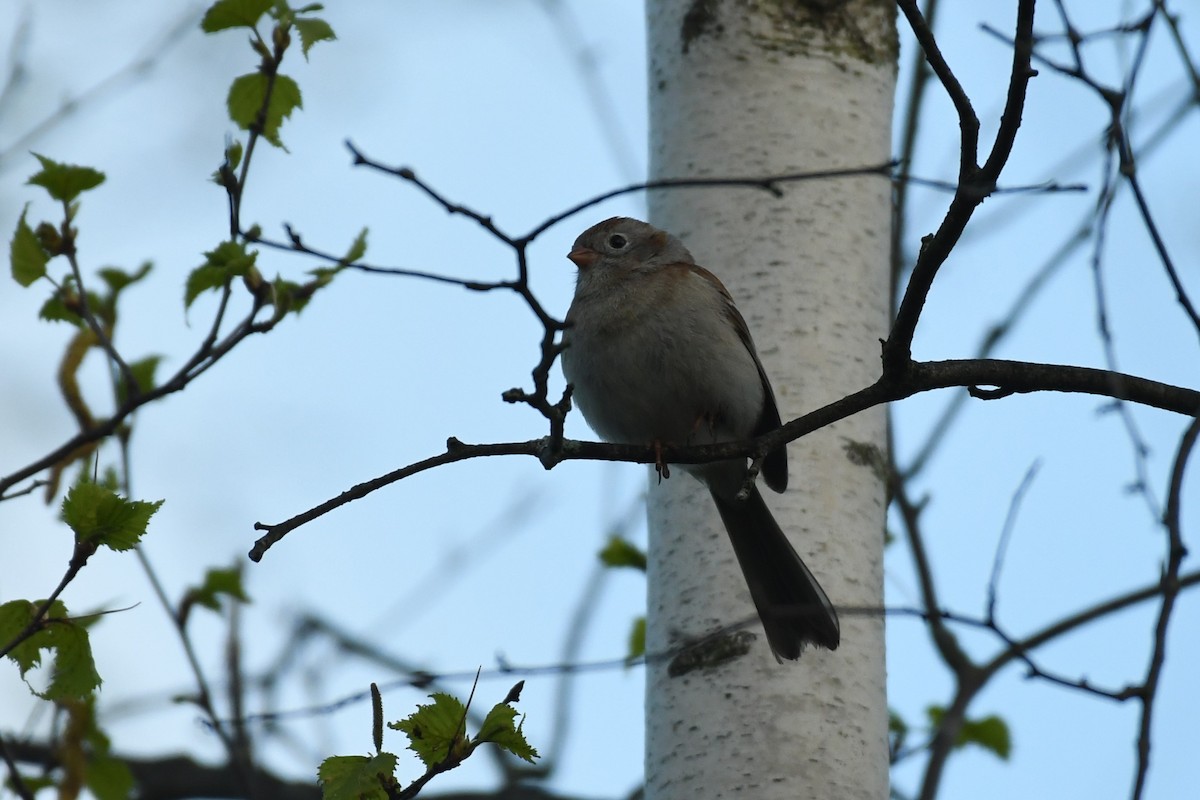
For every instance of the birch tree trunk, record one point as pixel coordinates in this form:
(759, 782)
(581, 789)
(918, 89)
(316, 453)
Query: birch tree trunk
(753, 87)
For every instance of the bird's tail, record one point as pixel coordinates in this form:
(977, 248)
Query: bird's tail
(792, 605)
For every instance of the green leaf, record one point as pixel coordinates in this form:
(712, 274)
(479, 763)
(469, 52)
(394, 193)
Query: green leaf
(101, 516)
(622, 553)
(313, 30)
(247, 96)
(96, 739)
(218, 583)
(498, 729)
(57, 309)
(322, 277)
(225, 14)
(225, 175)
(637, 639)
(227, 261)
(935, 714)
(357, 250)
(233, 154)
(65, 182)
(26, 255)
(356, 777)
(119, 279)
(74, 670)
(286, 296)
(109, 778)
(435, 730)
(15, 616)
(202, 279)
(990, 733)
(143, 374)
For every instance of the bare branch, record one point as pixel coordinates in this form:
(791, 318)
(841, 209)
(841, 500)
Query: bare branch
(975, 183)
(1012, 377)
(1171, 586)
(124, 77)
(1010, 521)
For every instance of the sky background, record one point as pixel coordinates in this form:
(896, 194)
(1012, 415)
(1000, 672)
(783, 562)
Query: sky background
(486, 562)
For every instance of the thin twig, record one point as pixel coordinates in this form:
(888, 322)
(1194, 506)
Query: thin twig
(15, 781)
(975, 183)
(1010, 521)
(1171, 586)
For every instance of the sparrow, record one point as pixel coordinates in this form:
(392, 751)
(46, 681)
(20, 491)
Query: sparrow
(658, 354)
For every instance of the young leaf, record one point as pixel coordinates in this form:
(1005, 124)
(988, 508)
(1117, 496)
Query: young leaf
(498, 729)
(101, 516)
(143, 373)
(434, 730)
(74, 670)
(286, 296)
(225, 14)
(313, 30)
(119, 279)
(218, 582)
(109, 778)
(233, 154)
(622, 553)
(322, 277)
(227, 261)
(357, 250)
(356, 777)
(63, 305)
(990, 733)
(26, 255)
(248, 94)
(637, 639)
(65, 182)
(15, 616)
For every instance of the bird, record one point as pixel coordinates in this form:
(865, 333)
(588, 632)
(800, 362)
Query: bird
(657, 354)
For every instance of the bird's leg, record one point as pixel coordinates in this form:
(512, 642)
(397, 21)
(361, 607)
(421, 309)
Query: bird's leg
(660, 466)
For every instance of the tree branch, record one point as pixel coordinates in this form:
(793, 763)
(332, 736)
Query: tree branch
(975, 184)
(1171, 586)
(1010, 377)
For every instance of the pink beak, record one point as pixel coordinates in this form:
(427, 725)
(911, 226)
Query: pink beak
(583, 257)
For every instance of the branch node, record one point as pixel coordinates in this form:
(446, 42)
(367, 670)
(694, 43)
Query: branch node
(549, 452)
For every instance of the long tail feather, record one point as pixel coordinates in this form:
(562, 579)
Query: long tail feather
(792, 605)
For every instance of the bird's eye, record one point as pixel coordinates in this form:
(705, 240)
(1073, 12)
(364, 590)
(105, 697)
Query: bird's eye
(617, 241)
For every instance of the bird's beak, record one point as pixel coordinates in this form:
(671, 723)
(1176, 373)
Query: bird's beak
(583, 257)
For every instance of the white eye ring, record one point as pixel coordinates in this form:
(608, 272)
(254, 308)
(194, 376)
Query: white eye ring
(617, 241)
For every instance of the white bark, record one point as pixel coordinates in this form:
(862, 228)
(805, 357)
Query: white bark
(767, 88)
